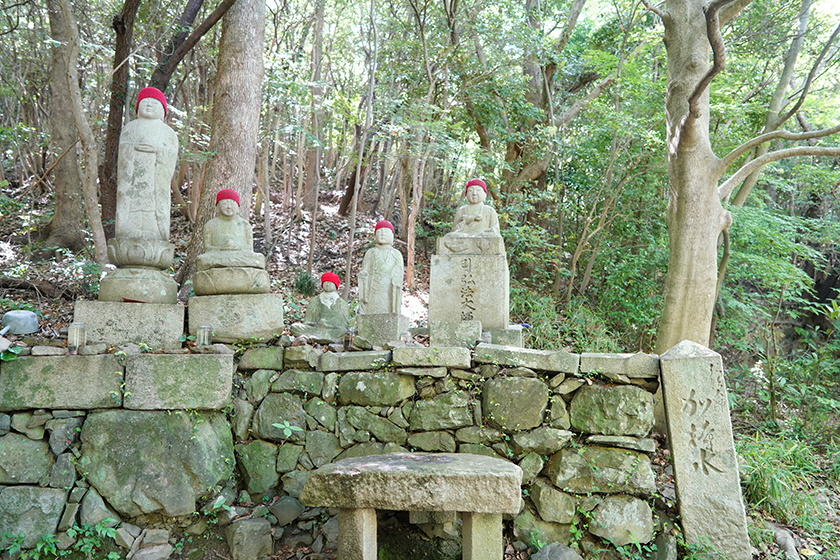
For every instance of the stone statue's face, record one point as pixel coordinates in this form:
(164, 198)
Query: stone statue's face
(384, 236)
(150, 108)
(328, 287)
(226, 207)
(476, 195)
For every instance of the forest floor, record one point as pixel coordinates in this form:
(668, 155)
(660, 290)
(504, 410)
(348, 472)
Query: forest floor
(51, 286)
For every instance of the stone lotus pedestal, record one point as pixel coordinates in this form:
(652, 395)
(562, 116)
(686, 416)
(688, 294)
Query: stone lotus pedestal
(233, 317)
(153, 324)
(381, 328)
(140, 275)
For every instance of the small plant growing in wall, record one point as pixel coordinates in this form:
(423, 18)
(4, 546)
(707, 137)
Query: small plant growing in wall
(287, 428)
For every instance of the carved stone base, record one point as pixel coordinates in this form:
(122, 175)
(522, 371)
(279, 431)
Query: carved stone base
(155, 325)
(146, 285)
(470, 288)
(235, 317)
(135, 251)
(380, 328)
(453, 244)
(231, 280)
(462, 333)
(511, 336)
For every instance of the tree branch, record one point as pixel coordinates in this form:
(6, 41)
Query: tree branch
(730, 158)
(651, 8)
(732, 11)
(712, 12)
(727, 186)
(580, 104)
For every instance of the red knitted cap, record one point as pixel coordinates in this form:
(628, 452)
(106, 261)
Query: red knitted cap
(228, 194)
(478, 182)
(382, 224)
(151, 92)
(330, 277)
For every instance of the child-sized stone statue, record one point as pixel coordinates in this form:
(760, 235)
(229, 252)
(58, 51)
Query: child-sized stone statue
(229, 264)
(381, 277)
(475, 229)
(328, 316)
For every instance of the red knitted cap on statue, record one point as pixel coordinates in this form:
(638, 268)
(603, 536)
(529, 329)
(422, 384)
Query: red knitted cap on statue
(382, 224)
(151, 92)
(330, 277)
(478, 182)
(228, 194)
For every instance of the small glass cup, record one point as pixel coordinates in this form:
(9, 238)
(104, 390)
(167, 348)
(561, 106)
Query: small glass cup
(76, 336)
(203, 337)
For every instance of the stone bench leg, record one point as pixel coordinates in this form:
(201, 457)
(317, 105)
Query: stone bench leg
(357, 534)
(481, 536)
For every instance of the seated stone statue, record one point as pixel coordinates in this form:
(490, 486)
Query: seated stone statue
(475, 228)
(327, 318)
(229, 264)
(381, 277)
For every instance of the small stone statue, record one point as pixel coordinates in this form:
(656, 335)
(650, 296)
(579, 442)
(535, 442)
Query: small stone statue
(229, 264)
(327, 318)
(381, 277)
(475, 228)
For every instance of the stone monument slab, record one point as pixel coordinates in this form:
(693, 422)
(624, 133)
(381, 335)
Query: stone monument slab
(157, 325)
(380, 328)
(703, 450)
(178, 381)
(459, 333)
(233, 317)
(470, 288)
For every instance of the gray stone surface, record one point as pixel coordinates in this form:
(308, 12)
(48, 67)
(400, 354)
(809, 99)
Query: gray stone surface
(350, 361)
(322, 412)
(558, 414)
(375, 389)
(511, 336)
(30, 510)
(63, 473)
(259, 384)
(178, 381)
(20, 321)
(450, 410)
(286, 509)
(615, 411)
(556, 551)
(436, 372)
(622, 520)
(243, 413)
(531, 526)
(460, 333)
(93, 510)
(552, 504)
(321, 447)
(371, 448)
(702, 448)
(156, 552)
(380, 328)
(238, 316)
(257, 462)
(23, 461)
(542, 440)
(432, 357)
(293, 482)
(299, 381)
(638, 365)
(30, 424)
(277, 408)
(287, 457)
(645, 445)
(302, 357)
(382, 429)
(249, 539)
(144, 462)
(545, 360)
(595, 469)
(47, 351)
(270, 357)
(63, 433)
(478, 434)
(157, 325)
(514, 403)
(433, 441)
(470, 288)
(531, 465)
(417, 481)
(75, 382)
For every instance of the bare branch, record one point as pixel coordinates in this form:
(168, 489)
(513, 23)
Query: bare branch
(730, 158)
(732, 11)
(727, 186)
(719, 56)
(580, 104)
(811, 75)
(651, 8)
(574, 13)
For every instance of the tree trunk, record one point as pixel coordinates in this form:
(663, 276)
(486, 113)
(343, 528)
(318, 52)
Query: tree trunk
(313, 155)
(65, 229)
(123, 25)
(236, 118)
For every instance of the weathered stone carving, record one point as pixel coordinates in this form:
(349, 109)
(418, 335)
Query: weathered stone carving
(328, 315)
(381, 277)
(475, 229)
(229, 264)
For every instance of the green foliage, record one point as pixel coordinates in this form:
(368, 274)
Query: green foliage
(92, 542)
(10, 353)
(305, 283)
(287, 428)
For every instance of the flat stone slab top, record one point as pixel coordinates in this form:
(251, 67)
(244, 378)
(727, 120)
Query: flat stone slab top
(417, 482)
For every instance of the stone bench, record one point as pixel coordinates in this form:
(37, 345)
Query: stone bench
(481, 488)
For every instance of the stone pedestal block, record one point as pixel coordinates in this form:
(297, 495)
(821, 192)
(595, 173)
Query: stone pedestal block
(138, 284)
(62, 382)
(470, 287)
(231, 280)
(237, 317)
(511, 336)
(460, 333)
(178, 381)
(153, 324)
(381, 328)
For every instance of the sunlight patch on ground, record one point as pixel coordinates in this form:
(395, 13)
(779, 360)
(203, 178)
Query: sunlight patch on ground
(7, 254)
(416, 307)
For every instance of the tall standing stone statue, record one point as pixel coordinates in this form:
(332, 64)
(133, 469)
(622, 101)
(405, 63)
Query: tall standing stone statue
(229, 264)
(380, 289)
(327, 317)
(470, 281)
(141, 250)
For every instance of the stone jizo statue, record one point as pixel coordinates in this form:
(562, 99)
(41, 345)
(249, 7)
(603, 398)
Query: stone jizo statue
(229, 264)
(475, 228)
(327, 318)
(381, 277)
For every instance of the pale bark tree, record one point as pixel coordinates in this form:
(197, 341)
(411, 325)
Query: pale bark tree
(234, 131)
(65, 229)
(695, 216)
(89, 145)
(316, 91)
